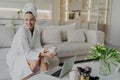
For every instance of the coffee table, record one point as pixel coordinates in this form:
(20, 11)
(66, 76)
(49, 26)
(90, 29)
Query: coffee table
(95, 72)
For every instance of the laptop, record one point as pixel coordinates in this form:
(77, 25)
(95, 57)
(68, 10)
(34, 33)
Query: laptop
(67, 67)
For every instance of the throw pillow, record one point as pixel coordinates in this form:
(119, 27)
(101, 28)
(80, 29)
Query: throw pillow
(76, 36)
(51, 36)
(6, 35)
(62, 28)
(65, 28)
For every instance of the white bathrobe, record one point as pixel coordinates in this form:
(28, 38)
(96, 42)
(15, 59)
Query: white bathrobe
(24, 46)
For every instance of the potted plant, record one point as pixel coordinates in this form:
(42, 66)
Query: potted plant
(106, 56)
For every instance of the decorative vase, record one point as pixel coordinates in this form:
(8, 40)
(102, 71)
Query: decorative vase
(104, 67)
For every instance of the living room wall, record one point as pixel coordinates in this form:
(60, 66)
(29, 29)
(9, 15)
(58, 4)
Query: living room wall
(11, 7)
(113, 35)
(51, 6)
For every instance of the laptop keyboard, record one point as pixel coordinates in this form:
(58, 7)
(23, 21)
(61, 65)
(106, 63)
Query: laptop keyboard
(57, 73)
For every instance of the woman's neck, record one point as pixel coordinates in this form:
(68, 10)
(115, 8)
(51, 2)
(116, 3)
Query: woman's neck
(31, 30)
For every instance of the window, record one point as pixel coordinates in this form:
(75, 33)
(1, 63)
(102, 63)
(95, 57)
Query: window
(89, 13)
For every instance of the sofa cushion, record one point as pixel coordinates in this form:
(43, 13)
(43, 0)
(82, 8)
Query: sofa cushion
(6, 35)
(76, 36)
(51, 36)
(65, 28)
(66, 49)
(94, 37)
(62, 28)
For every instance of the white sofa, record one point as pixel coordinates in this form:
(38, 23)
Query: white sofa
(70, 41)
(67, 39)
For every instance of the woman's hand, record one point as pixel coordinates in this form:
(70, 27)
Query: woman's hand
(47, 54)
(51, 55)
(46, 50)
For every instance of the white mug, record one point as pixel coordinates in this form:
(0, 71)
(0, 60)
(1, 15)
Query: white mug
(52, 50)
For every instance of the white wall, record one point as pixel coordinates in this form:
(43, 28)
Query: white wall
(113, 35)
(41, 4)
(55, 12)
(19, 4)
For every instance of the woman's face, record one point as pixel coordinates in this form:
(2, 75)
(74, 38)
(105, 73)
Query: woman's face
(30, 20)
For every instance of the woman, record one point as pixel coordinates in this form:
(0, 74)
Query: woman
(26, 53)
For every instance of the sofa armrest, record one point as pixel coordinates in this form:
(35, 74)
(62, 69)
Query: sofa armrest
(94, 37)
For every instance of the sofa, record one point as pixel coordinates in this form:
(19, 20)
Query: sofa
(69, 41)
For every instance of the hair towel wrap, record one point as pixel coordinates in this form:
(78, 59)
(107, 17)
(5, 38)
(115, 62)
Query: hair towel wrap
(30, 7)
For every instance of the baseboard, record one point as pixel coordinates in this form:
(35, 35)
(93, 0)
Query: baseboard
(81, 61)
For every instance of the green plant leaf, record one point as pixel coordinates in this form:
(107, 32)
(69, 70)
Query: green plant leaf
(100, 51)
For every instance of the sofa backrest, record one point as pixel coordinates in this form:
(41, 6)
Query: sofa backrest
(52, 32)
(85, 35)
(54, 35)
